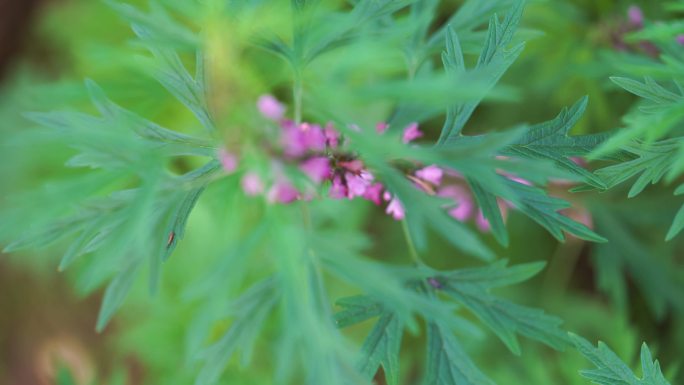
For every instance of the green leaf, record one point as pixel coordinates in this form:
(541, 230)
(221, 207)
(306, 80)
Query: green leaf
(172, 74)
(356, 309)
(249, 310)
(506, 319)
(381, 347)
(610, 370)
(167, 31)
(175, 229)
(678, 222)
(116, 294)
(494, 59)
(489, 206)
(115, 116)
(652, 162)
(550, 141)
(447, 362)
(649, 90)
(544, 209)
(423, 211)
(655, 278)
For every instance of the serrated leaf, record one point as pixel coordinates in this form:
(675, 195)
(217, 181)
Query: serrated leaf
(544, 209)
(649, 90)
(550, 141)
(494, 59)
(115, 294)
(381, 348)
(167, 31)
(172, 74)
(423, 211)
(356, 309)
(489, 206)
(651, 163)
(250, 310)
(117, 116)
(447, 362)
(611, 370)
(506, 319)
(175, 229)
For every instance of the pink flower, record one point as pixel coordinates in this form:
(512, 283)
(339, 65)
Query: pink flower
(298, 140)
(332, 137)
(431, 174)
(381, 127)
(270, 107)
(354, 165)
(635, 16)
(317, 168)
(251, 184)
(680, 39)
(396, 209)
(282, 192)
(411, 133)
(374, 193)
(228, 160)
(356, 185)
(293, 140)
(314, 138)
(338, 190)
(464, 202)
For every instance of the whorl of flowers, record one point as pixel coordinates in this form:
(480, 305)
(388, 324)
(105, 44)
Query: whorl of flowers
(326, 158)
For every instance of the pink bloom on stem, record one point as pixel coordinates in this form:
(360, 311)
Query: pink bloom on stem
(464, 202)
(332, 137)
(298, 140)
(381, 127)
(635, 16)
(282, 192)
(432, 174)
(411, 133)
(338, 190)
(374, 193)
(396, 209)
(314, 138)
(229, 161)
(680, 39)
(293, 140)
(270, 107)
(356, 185)
(355, 165)
(317, 168)
(251, 184)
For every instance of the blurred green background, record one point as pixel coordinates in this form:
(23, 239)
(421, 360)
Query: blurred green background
(621, 294)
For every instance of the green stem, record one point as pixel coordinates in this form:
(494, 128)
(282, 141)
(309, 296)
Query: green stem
(297, 96)
(412, 248)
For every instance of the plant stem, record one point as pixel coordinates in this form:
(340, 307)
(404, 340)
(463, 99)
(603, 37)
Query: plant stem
(412, 248)
(297, 96)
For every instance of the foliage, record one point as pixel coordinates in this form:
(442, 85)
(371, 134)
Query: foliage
(270, 265)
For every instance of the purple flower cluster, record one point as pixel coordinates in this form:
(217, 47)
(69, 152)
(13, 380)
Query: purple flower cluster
(322, 154)
(636, 21)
